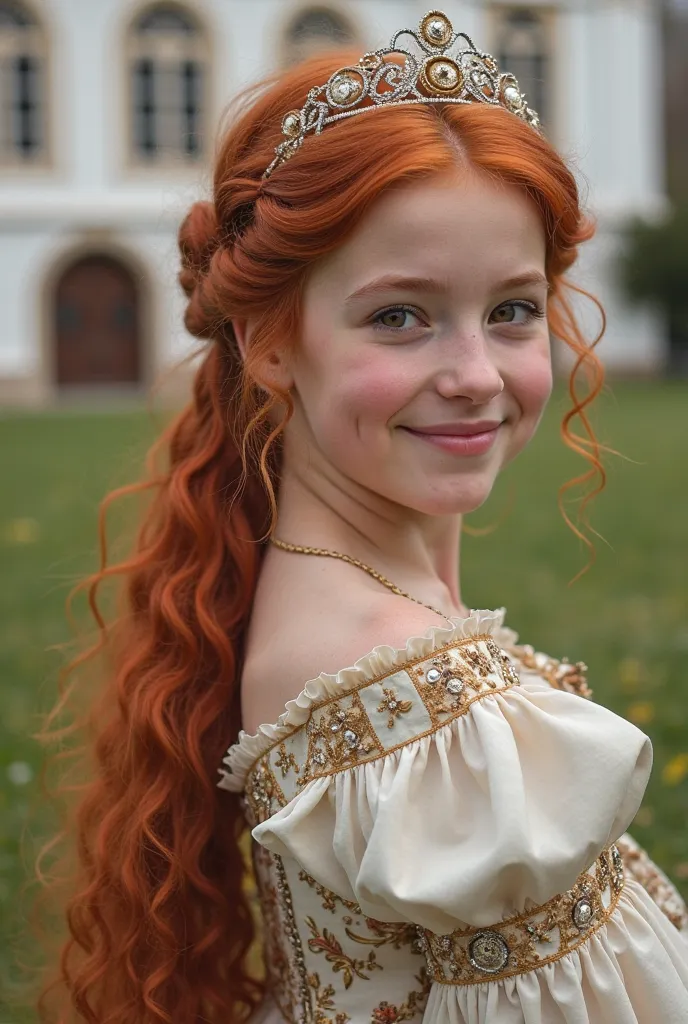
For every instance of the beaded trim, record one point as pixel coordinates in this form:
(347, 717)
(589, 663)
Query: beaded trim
(378, 717)
(520, 944)
(285, 962)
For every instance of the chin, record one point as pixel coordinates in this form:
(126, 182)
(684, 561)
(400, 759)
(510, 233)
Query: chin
(454, 501)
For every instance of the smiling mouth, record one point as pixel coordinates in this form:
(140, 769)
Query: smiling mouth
(458, 429)
(475, 443)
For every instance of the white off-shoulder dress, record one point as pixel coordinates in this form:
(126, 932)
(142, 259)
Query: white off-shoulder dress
(440, 835)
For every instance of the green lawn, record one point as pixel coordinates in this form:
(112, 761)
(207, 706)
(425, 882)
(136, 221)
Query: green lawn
(627, 618)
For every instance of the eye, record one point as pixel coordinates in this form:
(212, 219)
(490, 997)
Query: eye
(507, 313)
(396, 318)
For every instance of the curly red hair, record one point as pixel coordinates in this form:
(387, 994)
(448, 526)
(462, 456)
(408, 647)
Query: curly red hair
(159, 922)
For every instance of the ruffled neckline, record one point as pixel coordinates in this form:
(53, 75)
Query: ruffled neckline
(381, 660)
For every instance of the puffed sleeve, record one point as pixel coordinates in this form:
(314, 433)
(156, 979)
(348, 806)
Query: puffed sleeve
(451, 792)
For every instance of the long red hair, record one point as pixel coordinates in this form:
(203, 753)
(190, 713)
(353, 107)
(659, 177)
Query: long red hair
(159, 925)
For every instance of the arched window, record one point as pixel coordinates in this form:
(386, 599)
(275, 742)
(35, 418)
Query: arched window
(168, 74)
(522, 46)
(314, 30)
(22, 85)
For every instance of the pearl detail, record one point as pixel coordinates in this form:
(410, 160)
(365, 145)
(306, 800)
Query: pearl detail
(512, 97)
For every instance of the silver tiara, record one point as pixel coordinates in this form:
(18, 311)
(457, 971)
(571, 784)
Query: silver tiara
(443, 72)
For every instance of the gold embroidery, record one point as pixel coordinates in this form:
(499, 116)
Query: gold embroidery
(507, 668)
(329, 899)
(330, 945)
(339, 734)
(385, 675)
(660, 889)
(562, 675)
(386, 933)
(285, 761)
(263, 792)
(475, 955)
(323, 1002)
(478, 661)
(445, 681)
(388, 1013)
(442, 685)
(393, 706)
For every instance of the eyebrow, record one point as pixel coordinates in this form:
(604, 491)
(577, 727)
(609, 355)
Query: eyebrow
(392, 282)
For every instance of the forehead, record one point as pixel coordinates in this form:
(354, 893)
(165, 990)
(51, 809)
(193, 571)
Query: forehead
(464, 228)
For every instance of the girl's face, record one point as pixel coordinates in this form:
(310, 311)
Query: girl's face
(424, 364)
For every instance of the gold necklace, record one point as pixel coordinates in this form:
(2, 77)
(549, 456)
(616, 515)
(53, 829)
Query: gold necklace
(301, 550)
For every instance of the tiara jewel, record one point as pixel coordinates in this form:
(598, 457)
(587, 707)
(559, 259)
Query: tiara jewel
(429, 66)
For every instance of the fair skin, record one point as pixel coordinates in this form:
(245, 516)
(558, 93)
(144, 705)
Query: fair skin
(430, 315)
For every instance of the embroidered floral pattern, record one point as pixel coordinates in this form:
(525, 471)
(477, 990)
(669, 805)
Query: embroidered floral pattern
(475, 955)
(388, 1013)
(479, 662)
(329, 899)
(561, 674)
(324, 1002)
(655, 882)
(392, 706)
(326, 942)
(263, 792)
(452, 679)
(339, 735)
(385, 933)
(508, 669)
(286, 761)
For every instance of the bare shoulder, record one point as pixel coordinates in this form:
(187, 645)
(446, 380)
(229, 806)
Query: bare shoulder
(319, 630)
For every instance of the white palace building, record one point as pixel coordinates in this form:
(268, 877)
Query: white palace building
(108, 115)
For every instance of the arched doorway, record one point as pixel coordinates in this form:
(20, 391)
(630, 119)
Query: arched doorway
(97, 324)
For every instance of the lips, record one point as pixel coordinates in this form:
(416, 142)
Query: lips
(461, 439)
(458, 429)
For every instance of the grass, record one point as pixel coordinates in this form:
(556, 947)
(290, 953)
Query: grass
(627, 618)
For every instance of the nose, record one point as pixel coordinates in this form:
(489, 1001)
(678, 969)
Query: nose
(469, 369)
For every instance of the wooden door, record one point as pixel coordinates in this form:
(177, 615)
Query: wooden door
(97, 324)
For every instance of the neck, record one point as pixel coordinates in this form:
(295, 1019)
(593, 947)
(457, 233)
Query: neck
(418, 552)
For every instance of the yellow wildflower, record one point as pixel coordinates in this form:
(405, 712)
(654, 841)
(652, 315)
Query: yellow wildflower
(641, 712)
(675, 770)
(22, 531)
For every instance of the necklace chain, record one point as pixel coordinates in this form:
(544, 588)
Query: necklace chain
(325, 552)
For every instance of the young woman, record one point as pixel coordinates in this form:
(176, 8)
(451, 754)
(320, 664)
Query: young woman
(438, 814)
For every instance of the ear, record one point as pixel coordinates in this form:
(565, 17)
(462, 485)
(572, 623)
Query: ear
(276, 371)
(242, 334)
